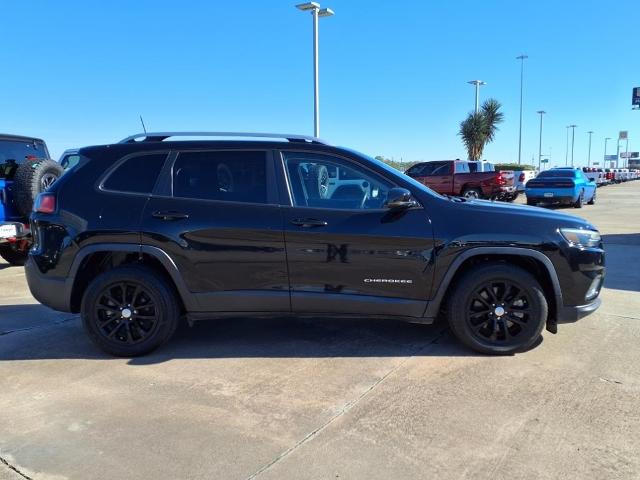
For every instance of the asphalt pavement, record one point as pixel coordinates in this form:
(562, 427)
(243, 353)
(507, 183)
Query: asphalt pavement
(318, 399)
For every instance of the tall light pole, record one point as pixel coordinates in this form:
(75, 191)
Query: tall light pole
(522, 59)
(604, 161)
(566, 151)
(316, 11)
(573, 138)
(590, 132)
(477, 83)
(541, 112)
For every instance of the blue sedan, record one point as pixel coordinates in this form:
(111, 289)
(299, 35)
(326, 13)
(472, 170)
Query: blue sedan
(561, 185)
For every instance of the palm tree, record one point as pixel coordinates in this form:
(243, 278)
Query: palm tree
(479, 128)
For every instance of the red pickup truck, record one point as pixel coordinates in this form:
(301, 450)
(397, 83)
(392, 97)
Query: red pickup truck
(454, 177)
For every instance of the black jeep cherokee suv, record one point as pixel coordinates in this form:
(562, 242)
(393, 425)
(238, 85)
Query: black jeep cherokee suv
(145, 232)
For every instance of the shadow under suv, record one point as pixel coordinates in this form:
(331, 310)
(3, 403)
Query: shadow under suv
(140, 234)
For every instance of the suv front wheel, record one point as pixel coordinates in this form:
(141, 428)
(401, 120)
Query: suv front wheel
(497, 309)
(129, 311)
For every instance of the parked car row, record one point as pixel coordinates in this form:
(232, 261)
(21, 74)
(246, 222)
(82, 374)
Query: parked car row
(607, 176)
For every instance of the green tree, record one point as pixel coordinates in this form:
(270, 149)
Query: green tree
(480, 128)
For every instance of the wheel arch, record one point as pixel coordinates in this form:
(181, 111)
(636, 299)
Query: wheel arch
(529, 260)
(95, 259)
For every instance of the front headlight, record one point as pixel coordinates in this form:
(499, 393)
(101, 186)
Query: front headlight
(581, 238)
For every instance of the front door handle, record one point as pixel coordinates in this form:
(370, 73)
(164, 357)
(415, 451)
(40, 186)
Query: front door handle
(170, 215)
(308, 222)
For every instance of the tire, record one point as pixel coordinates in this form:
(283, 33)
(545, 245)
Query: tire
(34, 177)
(497, 332)
(135, 323)
(14, 256)
(531, 202)
(472, 193)
(593, 199)
(580, 202)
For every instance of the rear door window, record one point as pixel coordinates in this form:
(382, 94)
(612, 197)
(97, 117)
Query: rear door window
(136, 174)
(231, 176)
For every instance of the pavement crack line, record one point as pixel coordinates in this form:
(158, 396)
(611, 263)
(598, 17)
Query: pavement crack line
(348, 406)
(38, 327)
(14, 469)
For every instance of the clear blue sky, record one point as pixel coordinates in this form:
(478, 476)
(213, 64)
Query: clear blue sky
(393, 74)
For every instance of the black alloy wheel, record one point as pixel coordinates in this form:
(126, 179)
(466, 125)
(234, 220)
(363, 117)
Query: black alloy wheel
(497, 309)
(129, 311)
(125, 312)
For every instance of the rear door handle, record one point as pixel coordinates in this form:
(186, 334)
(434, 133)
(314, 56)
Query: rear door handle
(170, 215)
(308, 222)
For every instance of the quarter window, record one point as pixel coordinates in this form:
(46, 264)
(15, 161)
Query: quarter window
(136, 174)
(232, 176)
(328, 182)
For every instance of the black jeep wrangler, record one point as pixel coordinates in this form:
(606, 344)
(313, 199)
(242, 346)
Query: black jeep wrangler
(145, 232)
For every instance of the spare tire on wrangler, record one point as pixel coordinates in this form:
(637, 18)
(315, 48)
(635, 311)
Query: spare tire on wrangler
(32, 178)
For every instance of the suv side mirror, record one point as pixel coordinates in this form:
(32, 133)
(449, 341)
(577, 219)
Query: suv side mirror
(399, 198)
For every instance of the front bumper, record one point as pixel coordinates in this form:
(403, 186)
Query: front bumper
(575, 313)
(54, 292)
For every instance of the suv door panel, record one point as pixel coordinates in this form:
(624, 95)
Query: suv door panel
(230, 254)
(366, 261)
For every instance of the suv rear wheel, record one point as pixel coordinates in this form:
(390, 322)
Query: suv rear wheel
(497, 309)
(129, 311)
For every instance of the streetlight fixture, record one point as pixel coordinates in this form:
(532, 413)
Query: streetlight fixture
(573, 138)
(566, 151)
(522, 58)
(590, 132)
(316, 11)
(541, 113)
(477, 83)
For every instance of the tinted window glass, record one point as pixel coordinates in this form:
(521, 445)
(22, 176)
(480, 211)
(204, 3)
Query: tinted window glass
(313, 186)
(70, 161)
(137, 174)
(15, 152)
(557, 173)
(435, 168)
(227, 176)
(416, 170)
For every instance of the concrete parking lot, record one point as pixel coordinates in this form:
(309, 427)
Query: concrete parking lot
(311, 399)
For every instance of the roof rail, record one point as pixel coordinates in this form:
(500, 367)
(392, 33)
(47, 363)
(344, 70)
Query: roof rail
(160, 136)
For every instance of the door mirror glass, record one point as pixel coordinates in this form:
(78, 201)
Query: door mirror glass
(399, 198)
